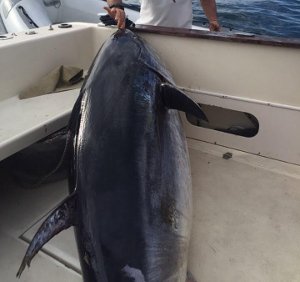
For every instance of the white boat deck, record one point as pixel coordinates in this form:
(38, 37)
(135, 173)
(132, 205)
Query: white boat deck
(246, 222)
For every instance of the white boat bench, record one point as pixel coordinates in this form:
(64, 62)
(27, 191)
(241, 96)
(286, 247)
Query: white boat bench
(25, 59)
(23, 122)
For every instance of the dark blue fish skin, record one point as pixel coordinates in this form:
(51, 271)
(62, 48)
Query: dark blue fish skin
(130, 170)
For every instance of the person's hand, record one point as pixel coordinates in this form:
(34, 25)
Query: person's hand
(118, 15)
(214, 25)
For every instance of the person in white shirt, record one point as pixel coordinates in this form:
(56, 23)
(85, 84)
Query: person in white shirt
(169, 13)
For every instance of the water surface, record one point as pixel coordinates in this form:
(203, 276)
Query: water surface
(273, 17)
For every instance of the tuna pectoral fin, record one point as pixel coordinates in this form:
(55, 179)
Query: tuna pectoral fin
(173, 98)
(59, 219)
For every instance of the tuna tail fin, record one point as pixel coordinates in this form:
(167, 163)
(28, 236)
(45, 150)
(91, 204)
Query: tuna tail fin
(173, 98)
(59, 219)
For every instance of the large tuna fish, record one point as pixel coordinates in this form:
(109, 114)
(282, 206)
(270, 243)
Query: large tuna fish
(130, 182)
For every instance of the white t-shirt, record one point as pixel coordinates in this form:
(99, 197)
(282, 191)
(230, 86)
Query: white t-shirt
(171, 13)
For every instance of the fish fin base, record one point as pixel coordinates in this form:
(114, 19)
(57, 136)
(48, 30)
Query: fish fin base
(190, 277)
(173, 98)
(61, 218)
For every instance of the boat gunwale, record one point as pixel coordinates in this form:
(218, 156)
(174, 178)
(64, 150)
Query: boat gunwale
(239, 37)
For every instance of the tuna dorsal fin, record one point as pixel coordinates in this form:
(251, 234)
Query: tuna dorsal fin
(173, 98)
(59, 219)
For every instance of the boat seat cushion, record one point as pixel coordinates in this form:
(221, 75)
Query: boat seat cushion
(61, 78)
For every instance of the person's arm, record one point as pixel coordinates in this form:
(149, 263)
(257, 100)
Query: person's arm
(210, 10)
(116, 10)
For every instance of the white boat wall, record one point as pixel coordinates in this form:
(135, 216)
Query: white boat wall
(225, 71)
(246, 189)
